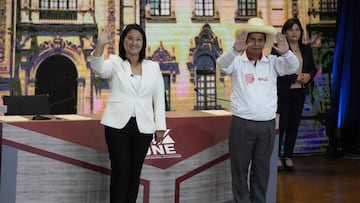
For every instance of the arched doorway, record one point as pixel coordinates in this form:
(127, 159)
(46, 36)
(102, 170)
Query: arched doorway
(56, 76)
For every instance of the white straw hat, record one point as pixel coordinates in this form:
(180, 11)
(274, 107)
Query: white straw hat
(258, 25)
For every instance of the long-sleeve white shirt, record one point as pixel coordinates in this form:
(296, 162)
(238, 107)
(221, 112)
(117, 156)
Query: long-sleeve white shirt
(254, 90)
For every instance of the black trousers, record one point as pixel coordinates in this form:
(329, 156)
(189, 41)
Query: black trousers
(127, 150)
(290, 110)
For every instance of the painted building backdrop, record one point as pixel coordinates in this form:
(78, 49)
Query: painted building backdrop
(45, 47)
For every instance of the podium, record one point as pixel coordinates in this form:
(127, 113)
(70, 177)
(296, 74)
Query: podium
(66, 160)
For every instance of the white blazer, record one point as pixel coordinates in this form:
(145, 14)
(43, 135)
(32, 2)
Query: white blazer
(148, 101)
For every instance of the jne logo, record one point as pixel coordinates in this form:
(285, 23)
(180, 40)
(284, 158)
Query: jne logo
(165, 149)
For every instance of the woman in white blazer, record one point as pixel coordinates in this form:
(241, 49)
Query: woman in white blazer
(135, 110)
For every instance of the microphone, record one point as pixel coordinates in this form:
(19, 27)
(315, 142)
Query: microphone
(63, 100)
(201, 94)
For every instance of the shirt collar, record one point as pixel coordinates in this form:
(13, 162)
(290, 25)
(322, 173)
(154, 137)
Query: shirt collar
(251, 58)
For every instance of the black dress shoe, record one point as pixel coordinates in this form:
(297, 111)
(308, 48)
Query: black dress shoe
(280, 165)
(289, 164)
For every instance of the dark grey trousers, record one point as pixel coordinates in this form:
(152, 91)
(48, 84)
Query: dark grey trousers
(250, 145)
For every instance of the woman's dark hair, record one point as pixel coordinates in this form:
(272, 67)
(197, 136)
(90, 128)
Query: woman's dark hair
(123, 34)
(288, 25)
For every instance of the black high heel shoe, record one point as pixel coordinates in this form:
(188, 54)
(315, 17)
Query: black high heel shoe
(289, 164)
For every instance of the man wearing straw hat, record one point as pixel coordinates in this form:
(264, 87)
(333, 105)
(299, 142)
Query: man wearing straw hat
(254, 103)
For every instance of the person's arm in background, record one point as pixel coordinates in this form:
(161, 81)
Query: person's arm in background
(309, 67)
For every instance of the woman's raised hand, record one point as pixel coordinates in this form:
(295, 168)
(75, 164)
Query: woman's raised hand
(105, 35)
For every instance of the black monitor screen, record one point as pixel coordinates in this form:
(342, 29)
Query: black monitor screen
(27, 105)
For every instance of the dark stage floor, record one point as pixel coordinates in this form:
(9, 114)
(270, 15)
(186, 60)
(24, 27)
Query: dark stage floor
(321, 179)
